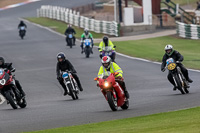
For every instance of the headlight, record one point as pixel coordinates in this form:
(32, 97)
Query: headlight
(106, 84)
(3, 82)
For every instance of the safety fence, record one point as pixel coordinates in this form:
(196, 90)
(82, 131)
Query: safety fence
(190, 31)
(72, 17)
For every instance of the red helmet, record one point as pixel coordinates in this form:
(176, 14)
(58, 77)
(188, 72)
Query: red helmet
(106, 62)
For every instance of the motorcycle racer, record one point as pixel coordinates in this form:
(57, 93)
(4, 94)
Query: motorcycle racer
(171, 53)
(109, 66)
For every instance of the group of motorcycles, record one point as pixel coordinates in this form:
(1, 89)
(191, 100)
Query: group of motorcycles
(112, 91)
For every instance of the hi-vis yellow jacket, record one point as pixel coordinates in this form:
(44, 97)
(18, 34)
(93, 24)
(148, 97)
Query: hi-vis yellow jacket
(113, 68)
(101, 45)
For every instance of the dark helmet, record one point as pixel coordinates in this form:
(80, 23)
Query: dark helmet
(1, 61)
(61, 55)
(86, 31)
(105, 40)
(21, 22)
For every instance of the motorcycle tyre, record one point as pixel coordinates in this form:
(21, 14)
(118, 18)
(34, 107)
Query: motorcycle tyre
(23, 104)
(179, 84)
(111, 101)
(11, 100)
(125, 105)
(71, 91)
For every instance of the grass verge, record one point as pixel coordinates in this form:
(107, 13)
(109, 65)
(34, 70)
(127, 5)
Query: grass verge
(184, 121)
(153, 49)
(60, 26)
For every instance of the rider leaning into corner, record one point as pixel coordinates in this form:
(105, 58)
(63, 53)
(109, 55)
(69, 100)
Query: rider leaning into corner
(62, 65)
(171, 53)
(112, 67)
(86, 35)
(8, 66)
(106, 42)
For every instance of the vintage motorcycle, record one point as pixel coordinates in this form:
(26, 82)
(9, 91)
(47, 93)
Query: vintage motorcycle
(70, 84)
(22, 32)
(10, 91)
(112, 91)
(180, 81)
(87, 47)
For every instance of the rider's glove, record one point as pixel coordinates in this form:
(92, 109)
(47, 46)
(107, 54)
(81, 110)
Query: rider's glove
(163, 69)
(59, 77)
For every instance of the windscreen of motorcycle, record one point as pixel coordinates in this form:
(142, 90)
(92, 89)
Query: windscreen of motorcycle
(1, 72)
(105, 74)
(107, 48)
(2, 80)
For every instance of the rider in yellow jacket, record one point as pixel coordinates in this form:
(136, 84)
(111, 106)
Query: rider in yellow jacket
(103, 44)
(108, 66)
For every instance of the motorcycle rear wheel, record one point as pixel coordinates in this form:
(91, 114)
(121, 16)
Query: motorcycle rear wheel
(10, 100)
(111, 101)
(23, 103)
(125, 105)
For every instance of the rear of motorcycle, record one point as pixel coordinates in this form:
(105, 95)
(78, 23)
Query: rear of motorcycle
(71, 85)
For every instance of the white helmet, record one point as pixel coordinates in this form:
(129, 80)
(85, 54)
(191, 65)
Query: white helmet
(168, 46)
(106, 60)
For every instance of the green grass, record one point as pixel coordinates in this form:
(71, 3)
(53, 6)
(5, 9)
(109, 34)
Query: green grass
(61, 26)
(153, 49)
(184, 121)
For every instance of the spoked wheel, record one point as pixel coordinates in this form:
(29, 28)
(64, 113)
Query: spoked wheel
(72, 93)
(112, 101)
(125, 105)
(11, 100)
(179, 84)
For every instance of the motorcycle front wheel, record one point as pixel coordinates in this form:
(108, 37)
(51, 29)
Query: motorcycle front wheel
(111, 101)
(71, 91)
(179, 84)
(11, 100)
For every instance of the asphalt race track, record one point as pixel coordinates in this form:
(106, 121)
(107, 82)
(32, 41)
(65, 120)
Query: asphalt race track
(35, 60)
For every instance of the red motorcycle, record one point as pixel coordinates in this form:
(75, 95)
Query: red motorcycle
(9, 90)
(113, 92)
